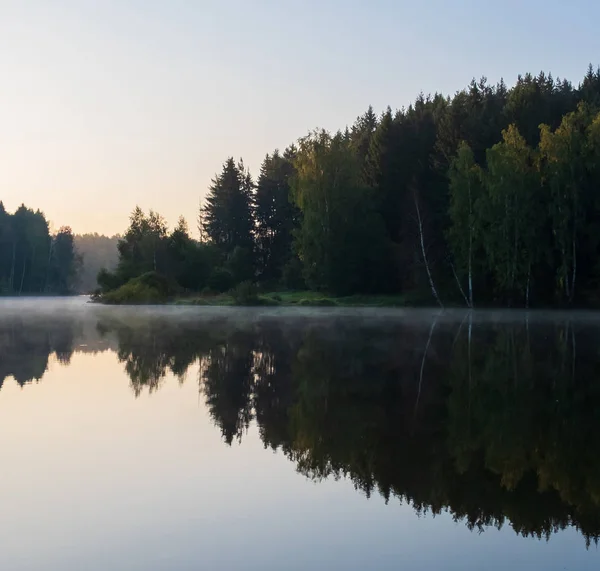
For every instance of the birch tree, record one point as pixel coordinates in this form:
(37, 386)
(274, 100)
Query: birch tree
(466, 179)
(511, 221)
(562, 165)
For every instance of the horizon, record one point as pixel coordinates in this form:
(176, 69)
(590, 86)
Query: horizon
(97, 120)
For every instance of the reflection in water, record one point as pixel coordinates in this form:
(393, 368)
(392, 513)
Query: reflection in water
(495, 420)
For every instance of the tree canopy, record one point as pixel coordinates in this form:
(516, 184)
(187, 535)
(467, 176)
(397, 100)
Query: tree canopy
(484, 198)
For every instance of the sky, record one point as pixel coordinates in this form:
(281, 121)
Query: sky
(109, 104)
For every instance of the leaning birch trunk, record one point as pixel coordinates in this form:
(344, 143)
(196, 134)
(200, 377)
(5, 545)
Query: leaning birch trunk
(459, 286)
(470, 336)
(45, 286)
(424, 253)
(431, 329)
(23, 275)
(528, 283)
(470, 248)
(12, 269)
(574, 271)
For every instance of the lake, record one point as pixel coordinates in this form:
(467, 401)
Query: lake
(275, 439)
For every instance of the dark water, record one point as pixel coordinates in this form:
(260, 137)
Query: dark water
(271, 440)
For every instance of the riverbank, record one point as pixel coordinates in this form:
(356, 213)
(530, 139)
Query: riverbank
(292, 298)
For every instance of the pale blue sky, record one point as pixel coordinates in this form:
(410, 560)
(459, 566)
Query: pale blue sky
(106, 104)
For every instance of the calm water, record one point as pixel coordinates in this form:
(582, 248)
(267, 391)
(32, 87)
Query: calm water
(226, 439)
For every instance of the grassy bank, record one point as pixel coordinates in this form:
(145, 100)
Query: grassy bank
(294, 298)
(153, 289)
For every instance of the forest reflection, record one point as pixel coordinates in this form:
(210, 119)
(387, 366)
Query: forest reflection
(495, 421)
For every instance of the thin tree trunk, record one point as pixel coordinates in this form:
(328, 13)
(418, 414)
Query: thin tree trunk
(48, 267)
(566, 274)
(470, 304)
(469, 349)
(433, 324)
(573, 353)
(424, 253)
(12, 269)
(527, 290)
(459, 286)
(23, 275)
(574, 269)
(457, 336)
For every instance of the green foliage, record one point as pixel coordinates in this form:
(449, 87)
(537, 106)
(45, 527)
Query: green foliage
(149, 288)
(276, 216)
(318, 302)
(227, 215)
(240, 264)
(65, 263)
(245, 293)
(291, 276)
(466, 190)
(464, 195)
(508, 214)
(341, 238)
(31, 260)
(133, 293)
(108, 281)
(220, 280)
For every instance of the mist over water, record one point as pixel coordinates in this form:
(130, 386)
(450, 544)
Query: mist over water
(294, 438)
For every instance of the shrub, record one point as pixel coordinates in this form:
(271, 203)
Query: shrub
(245, 293)
(220, 280)
(133, 292)
(145, 289)
(240, 264)
(108, 281)
(291, 276)
(318, 302)
(154, 280)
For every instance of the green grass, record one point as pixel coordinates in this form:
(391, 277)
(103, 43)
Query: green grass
(298, 298)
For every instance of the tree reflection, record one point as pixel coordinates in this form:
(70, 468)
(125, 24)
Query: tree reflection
(493, 420)
(495, 423)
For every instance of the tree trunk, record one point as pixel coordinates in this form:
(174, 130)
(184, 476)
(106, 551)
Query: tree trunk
(12, 269)
(424, 253)
(527, 290)
(459, 286)
(48, 267)
(574, 270)
(23, 275)
(470, 249)
(433, 324)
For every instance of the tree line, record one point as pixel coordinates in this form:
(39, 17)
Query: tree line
(32, 260)
(487, 197)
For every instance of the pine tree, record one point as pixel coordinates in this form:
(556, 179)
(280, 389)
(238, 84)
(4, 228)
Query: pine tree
(276, 216)
(228, 212)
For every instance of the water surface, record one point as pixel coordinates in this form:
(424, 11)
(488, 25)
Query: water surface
(220, 438)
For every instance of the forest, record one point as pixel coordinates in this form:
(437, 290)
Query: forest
(489, 197)
(32, 260)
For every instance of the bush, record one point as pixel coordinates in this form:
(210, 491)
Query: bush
(220, 280)
(291, 276)
(148, 288)
(245, 293)
(108, 281)
(154, 280)
(133, 292)
(318, 302)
